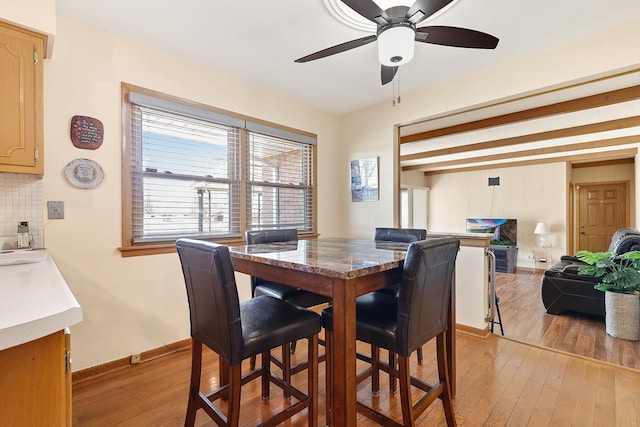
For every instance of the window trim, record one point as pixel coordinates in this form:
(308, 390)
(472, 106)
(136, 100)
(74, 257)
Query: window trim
(129, 248)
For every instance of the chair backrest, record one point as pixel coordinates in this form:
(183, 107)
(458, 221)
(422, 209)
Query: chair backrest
(269, 236)
(407, 235)
(214, 306)
(423, 302)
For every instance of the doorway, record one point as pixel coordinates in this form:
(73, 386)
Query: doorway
(601, 209)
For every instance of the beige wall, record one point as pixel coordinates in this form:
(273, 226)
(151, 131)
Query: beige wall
(136, 304)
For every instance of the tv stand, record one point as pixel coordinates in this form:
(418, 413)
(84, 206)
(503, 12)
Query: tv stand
(506, 258)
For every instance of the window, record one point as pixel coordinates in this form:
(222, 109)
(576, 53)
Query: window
(195, 171)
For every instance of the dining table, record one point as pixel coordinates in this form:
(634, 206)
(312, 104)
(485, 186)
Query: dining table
(343, 269)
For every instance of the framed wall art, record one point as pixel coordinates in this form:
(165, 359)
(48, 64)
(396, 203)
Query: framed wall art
(364, 180)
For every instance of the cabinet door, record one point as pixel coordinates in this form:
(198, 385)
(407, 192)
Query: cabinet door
(21, 56)
(32, 383)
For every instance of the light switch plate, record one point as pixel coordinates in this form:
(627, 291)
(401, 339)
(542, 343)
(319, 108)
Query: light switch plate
(55, 210)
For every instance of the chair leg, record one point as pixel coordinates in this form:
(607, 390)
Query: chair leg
(266, 373)
(443, 373)
(252, 362)
(499, 317)
(375, 370)
(419, 353)
(404, 372)
(392, 379)
(223, 371)
(286, 368)
(194, 386)
(312, 380)
(328, 348)
(235, 384)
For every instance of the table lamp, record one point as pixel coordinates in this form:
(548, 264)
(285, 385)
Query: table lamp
(542, 229)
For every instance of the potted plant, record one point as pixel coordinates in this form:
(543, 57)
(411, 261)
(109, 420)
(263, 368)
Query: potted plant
(620, 280)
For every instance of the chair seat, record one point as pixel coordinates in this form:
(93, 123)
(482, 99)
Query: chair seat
(393, 290)
(268, 322)
(290, 294)
(376, 319)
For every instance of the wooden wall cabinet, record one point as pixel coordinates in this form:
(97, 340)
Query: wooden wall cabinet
(21, 109)
(35, 382)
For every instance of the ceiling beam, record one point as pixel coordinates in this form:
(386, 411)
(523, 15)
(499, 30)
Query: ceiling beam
(627, 122)
(614, 162)
(598, 100)
(611, 142)
(627, 152)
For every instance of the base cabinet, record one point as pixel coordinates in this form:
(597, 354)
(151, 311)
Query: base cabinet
(506, 258)
(35, 382)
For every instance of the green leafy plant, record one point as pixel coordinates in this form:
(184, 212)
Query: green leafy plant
(617, 273)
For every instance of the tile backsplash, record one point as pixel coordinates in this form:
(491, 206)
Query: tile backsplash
(21, 199)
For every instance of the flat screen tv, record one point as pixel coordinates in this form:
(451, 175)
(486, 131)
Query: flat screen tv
(504, 230)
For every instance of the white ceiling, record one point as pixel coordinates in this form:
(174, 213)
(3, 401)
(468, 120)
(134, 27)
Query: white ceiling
(259, 40)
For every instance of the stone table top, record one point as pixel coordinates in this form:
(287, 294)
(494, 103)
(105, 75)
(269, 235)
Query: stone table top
(333, 257)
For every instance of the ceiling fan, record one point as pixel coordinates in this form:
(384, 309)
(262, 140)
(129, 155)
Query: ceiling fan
(397, 30)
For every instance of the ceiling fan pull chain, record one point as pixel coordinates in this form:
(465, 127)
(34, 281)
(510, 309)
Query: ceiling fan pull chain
(398, 77)
(393, 95)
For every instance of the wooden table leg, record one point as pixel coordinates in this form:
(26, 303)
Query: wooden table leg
(344, 354)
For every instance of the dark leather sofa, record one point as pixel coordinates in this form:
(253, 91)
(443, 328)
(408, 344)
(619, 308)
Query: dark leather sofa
(563, 289)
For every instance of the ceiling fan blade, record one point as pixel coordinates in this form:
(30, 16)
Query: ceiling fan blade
(368, 9)
(427, 7)
(456, 37)
(387, 74)
(338, 48)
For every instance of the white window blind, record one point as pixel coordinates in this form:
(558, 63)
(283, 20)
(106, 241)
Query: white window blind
(279, 189)
(202, 174)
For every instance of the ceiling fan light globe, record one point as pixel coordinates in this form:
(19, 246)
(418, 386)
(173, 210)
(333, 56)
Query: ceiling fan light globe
(395, 45)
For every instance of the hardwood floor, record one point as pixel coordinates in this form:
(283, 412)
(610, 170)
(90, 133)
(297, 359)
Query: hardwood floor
(527, 379)
(525, 319)
(501, 382)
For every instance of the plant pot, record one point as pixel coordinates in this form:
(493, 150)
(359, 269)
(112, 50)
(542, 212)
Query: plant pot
(622, 315)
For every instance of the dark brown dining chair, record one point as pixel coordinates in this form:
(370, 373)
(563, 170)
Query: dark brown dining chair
(290, 294)
(238, 330)
(402, 324)
(406, 235)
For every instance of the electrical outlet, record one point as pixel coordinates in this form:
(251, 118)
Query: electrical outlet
(135, 359)
(55, 210)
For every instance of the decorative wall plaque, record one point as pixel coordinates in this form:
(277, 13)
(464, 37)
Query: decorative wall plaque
(86, 132)
(84, 173)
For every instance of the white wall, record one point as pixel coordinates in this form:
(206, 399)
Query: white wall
(138, 303)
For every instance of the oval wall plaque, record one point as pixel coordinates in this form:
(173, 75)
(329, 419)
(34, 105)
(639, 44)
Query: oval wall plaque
(86, 132)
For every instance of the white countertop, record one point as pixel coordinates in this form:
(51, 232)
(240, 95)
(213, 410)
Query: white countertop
(35, 301)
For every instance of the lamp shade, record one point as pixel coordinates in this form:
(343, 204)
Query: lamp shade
(395, 45)
(541, 228)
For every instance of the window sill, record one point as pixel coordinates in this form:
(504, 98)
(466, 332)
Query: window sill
(170, 247)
